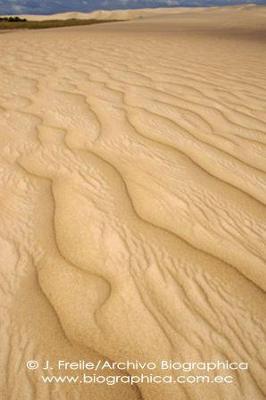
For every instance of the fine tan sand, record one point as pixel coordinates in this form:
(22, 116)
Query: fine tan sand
(132, 218)
(112, 14)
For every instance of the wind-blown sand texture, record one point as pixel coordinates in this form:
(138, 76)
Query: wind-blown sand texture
(133, 200)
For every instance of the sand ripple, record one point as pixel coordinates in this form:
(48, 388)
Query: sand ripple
(132, 205)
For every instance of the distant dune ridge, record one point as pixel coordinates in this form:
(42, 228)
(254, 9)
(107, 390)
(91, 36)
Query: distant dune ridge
(133, 200)
(108, 14)
(136, 13)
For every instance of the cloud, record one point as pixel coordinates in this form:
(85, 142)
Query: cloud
(53, 6)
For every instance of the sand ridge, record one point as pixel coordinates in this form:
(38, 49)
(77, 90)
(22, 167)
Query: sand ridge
(133, 200)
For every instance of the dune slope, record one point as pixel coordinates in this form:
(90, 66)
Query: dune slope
(132, 219)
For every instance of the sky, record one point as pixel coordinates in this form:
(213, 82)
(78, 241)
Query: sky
(16, 7)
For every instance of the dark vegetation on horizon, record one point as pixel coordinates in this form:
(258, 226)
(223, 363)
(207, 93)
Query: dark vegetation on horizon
(12, 19)
(22, 23)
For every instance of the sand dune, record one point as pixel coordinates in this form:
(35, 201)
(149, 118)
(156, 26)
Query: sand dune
(132, 222)
(113, 14)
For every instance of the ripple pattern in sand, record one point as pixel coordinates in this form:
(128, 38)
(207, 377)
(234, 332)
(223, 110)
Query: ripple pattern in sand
(132, 207)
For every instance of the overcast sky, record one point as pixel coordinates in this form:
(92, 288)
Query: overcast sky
(52, 6)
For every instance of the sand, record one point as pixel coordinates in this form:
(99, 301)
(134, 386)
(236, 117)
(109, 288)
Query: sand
(132, 219)
(113, 14)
